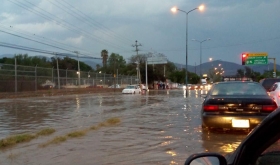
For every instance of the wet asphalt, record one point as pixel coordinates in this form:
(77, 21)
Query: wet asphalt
(158, 127)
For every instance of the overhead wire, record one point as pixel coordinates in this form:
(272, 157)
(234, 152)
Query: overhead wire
(39, 13)
(63, 23)
(14, 46)
(85, 18)
(86, 54)
(35, 41)
(81, 30)
(91, 22)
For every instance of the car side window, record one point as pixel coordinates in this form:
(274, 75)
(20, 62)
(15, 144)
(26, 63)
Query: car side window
(271, 155)
(273, 87)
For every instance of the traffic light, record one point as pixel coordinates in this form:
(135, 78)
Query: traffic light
(244, 57)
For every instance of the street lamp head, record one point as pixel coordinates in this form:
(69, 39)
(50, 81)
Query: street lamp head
(201, 7)
(174, 9)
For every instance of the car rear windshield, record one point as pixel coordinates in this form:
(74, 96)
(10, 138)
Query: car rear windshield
(238, 89)
(130, 87)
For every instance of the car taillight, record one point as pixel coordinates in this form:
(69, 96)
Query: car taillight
(269, 107)
(211, 108)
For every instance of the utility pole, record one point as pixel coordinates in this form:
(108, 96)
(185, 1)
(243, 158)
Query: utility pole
(15, 74)
(136, 46)
(138, 62)
(79, 72)
(57, 69)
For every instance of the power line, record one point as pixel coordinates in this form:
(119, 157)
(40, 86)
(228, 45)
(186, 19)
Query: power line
(8, 45)
(62, 23)
(84, 18)
(41, 38)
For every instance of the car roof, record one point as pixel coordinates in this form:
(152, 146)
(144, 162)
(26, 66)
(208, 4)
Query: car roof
(268, 82)
(235, 82)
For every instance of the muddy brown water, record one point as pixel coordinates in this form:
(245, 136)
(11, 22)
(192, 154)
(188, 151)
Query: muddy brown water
(160, 127)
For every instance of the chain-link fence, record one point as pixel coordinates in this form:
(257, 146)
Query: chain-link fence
(26, 78)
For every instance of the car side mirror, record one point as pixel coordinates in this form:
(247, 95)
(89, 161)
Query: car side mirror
(206, 159)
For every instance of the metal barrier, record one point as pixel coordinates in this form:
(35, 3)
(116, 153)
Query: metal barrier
(27, 78)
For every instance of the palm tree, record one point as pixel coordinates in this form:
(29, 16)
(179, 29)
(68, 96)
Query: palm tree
(104, 55)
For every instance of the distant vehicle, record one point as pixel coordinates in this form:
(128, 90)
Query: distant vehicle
(268, 82)
(203, 81)
(261, 146)
(48, 84)
(236, 105)
(181, 86)
(115, 86)
(274, 92)
(131, 89)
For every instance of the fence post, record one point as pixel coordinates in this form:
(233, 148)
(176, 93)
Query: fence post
(15, 74)
(104, 81)
(66, 76)
(36, 77)
(52, 74)
(58, 79)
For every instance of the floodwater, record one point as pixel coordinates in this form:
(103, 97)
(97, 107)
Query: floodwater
(160, 127)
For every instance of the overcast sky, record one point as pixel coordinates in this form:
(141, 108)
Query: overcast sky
(89, 26)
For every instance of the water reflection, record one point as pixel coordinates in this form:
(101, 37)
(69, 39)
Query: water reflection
(78, 102)
(222, 142)
(159, 127)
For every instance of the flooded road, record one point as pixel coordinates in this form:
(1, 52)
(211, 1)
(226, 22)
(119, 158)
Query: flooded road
(161, 127)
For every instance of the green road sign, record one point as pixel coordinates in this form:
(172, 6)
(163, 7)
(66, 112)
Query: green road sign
(256, 59)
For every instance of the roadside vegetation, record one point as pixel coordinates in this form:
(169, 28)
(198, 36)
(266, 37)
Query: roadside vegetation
(159, 72)
(21, 138)
(80, 133)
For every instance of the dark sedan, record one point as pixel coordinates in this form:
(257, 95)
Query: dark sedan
(236, 105)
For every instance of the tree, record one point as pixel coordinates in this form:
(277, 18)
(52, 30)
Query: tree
(240, 73)
(24, 59)
(178, 76)
(141, 58)
(97, 66)
(116, 61)
(104, 55)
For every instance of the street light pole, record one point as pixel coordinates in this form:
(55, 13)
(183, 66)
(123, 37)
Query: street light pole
(57, 69)
(79, 72)
(174, 9)
(200, 42)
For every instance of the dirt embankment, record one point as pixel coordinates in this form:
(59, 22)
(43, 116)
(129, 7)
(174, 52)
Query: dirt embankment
(56, 92)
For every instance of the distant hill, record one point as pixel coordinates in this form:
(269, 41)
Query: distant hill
(7, 55)
(230, 68)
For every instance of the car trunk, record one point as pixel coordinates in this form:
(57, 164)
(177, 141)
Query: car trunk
(242, 104)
